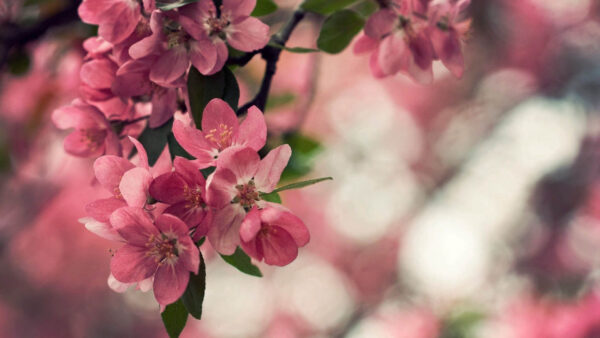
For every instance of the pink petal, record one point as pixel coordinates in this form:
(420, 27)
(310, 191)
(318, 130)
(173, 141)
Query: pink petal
(117, 286)
(101, 229)
(393, 54)
(102, 209)
(203, 54)
(250, 225)
(277, 246)
(168, 188)
(131, 264)
(170, 283)
(224, 236)
(109, 170)
(221, 188)
(132, 79)
(217, 116)
(98, 73)
(171, 225)
(78, 115)
(164, 105)
(133, 224)
(289, 222)
(170, 66)
(364, 44)
(248, 35)
(374, 65)
(270, 168)
(191, 215)
(124, 19)
(112, 144)
(380, 23)
(237, 8)
(193, 141)
(143, 156)
(134, 186)
(85, 143)
(222, 55)
(253, 130)
(448, 49)
(190, 171)
(243, 162)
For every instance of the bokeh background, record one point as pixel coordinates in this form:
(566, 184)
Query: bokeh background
(465, 208)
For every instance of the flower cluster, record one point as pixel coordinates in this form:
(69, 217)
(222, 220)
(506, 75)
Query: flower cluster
(160, 212)
(408, 35)
(142, 55)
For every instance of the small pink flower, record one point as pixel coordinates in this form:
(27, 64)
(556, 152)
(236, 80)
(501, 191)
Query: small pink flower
(184, 189)
(162, 249)
(236, 187)
(116, 19)
(273, 234)
(93, 135)
(220, 131)
(234, 25)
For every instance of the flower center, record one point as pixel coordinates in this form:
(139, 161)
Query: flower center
(193, 196)
(163, 249)
(247, 195)
(93, 138)
(221, 136)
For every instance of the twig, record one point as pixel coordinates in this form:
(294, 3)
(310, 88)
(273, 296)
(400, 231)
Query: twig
(271, 55)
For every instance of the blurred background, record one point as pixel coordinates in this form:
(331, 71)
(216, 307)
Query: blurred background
(466, 208)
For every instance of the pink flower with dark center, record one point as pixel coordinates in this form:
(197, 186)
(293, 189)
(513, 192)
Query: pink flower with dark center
(220, 131)
(235, 188)
(232, 24)
(116, 19)
(273, 234)
(162, 249)
(93, 135)
(184, 189)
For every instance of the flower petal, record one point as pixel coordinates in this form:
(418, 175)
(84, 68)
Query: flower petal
(248, 35)
(170, 282)
(134, 186)
(253, 130)
(270, 168)
(224, 235)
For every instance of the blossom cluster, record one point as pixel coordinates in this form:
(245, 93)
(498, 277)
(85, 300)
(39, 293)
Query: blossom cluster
(408, 35)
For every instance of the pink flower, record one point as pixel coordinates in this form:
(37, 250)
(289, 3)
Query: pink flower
(232, 23)
(236, 187)
(220, 131)
(173, 49)
(93, 135)
(184, 189)
(273, 234)
(162, 249)
(116, 19)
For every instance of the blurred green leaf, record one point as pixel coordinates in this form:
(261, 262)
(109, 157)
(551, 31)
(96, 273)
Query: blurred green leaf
(304, 150)
(326, 7)
(461, 324)
(365, 8)
(280, 100)
(18, 62)
(264, 7)
(154, 141)
(338, 30)
(167, 5)
(271, 197)
(174, 317)
(193, 297)
(242, 262)
(302, 184)
(297, 50)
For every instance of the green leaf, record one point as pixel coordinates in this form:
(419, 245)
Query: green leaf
(18, 62)
(271, 197)
(298, 50)
(304, 151)
(326, 7)
(167, 6)
(241, 261)
(338, 30)
(175, 149)
(194, 293)
(280, 100)
(202, 89)
(264, 7)
(154, 141)
(365, 8)
(174, 317)
(207, 171)
(302, 184)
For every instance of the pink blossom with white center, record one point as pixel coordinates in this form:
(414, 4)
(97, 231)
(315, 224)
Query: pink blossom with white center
(236, 187)
(232, 24)
(273, 234)
(116, 19)
(173, 49)
(93, 135)
(221, 131)
(184, 189)
(160, 248)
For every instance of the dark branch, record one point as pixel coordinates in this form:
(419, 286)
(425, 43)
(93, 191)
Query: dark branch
(271, 55)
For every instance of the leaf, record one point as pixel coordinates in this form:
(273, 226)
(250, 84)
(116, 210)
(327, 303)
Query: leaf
(175, 149)
(304, 150)
(326, 7)
(271, 197)
(298, 50)
(174, 317)
(366, 8)
(18, 62)
(241, 261)
(302, 184)
(194, 293)
(167, 6)
(154, 141)
(207, 171)
(280, 100)
(202, 89)
(338, 30)
(264, 7)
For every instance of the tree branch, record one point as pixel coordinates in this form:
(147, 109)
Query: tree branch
(271, 55)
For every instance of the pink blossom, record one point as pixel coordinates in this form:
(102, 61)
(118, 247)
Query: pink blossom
(116, 19)
(184, 189)
(93, 135)
(236, 187)
(162, 249)
(232, 23)
(220, 131)
(273, 234)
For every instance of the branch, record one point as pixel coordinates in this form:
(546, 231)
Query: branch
(271, 55)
